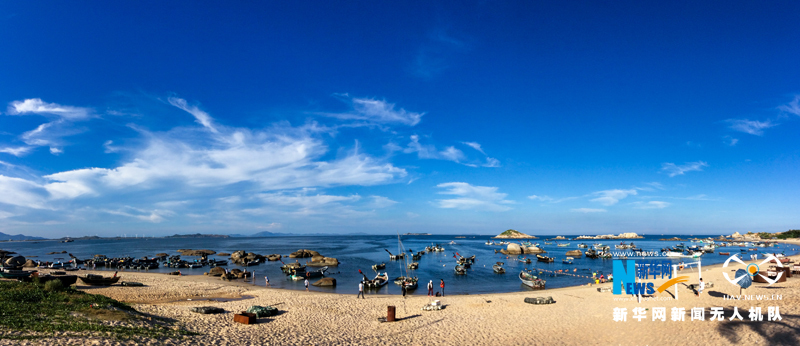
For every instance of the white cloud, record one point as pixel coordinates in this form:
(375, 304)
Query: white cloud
(611, 197)
(753, 127)
(653, 205)
(588, 210)
(792, 107)
(56, 151)
(377, 112)
(475, 146)
(37, 106)
(201, 117)
(491, 162)
(17, 151)
(672, 169)
(430, 152)
(21, 192)
(381, 202)
(730, 141)
(472, 197)
(541, 198)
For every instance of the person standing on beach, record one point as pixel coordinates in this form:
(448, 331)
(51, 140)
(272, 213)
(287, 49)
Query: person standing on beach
(306, 283)
(441, 284)
(701, 287)
(403, 289)
(361, 290)
(430, 288)
(266, 278)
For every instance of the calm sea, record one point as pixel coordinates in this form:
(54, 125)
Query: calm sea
(361, 252)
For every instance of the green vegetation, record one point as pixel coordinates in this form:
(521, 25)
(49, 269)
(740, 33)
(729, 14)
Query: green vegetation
(31, 311)
(510, 232)
(765, 235)
(794, 233)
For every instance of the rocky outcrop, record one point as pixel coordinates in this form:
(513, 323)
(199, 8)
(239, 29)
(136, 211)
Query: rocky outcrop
(16, 261)
(29, 264)
(574, 253)
(186, 252)
(241, 258)
(533, 250)
(325, 282)
(517, 249)
(303, 254)
(321, 261)
(223, 254)
(514, 234)
(216, 271)
(274, 257)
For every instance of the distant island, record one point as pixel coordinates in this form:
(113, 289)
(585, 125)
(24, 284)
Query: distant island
(198, 235)
(514, 234)
(417, 234)
(611, 236)
(9, 237)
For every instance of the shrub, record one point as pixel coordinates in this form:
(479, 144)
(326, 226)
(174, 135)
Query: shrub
(53, 286)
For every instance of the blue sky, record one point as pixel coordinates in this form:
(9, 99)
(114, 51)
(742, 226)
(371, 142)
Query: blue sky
(445, 117)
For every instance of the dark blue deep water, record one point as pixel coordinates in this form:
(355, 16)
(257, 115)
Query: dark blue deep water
(361, 252)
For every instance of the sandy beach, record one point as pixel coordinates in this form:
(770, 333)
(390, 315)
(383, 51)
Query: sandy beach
(580, 316)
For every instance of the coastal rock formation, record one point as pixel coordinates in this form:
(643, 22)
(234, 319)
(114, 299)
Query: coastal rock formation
(325, 282)
(240, 257)
(29, 264)
(611, 236)
(533, 250)
(574, 253)
(513, 249)
(274, 257)
(302, 253)
(216, 271)
(561, 237)
(321, 261)
(514, 234)
(223, 254)
(186, 252)
(16, 261)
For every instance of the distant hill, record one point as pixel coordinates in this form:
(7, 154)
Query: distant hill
(514, 234)
(198, 235)
(4, 236)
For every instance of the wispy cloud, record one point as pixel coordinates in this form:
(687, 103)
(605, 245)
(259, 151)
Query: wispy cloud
(426, 151)
(541, 198)
(16, 151)
(753, 127)
(672, 169)
(475, 146)
(652, 205)
(588, 210)
(792, 107)
(472, 197)
(611, 197)
(376, 112)
(730, 141)
(381, 202)
(201, 117)
(37, 106)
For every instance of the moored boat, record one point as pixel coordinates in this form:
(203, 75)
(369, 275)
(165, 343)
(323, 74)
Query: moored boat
(568, 260)
(460, 270)
(498, 268)
(99, 280)
(545, 259)
(15, 274)
(531, 280)
(377, 282)
(380, 266)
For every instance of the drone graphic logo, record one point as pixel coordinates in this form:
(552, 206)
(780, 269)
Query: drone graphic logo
(753, 269)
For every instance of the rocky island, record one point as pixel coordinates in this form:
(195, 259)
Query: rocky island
(514, 234)
(611, 236)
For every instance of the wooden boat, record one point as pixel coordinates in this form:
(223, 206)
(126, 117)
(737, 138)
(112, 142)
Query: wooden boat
(531, 280)
(416, 257)
(545, 259)
(725, 253)
(377, 282)
(99, 280)
(15, 274)
(563, 245)
(316, 273)
(568, 260)
(410, 283)
(591, 253)
(460, 270)
(583, 245)
(296, 267)
(413, 265)
(377, 267)
(498, 269)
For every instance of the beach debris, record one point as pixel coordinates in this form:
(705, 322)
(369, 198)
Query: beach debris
(325, 282)
(245, 318)
(605, 289)
(434, 305)
(539, 300)
(132, 284)
(207, 310)
(262, 311)
(302, 253)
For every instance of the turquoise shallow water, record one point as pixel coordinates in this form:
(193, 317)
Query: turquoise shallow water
(361, 252)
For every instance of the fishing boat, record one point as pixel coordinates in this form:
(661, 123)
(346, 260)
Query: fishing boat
(563, 245)
(568, 260)
(545, 259)
(413, 265)
(531, 280)
(498, 268)
(292, 267)
(460, 270)
(583, 245)
(489, 242)
(377, 282)
(725, 253)
(99, 280)
(410, 283)
(15, 274)
(377, 267)
(591, 253)
(546, 243)
(316, 273)
(416, 257)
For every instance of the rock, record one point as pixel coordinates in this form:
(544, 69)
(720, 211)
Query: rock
(238, 255)
(533, 250)
(185, 252)
(207, 310)
(161, 255)
(274, 257)
(29, 264)
(242, 275)
(236, 271)
(303, 254)
(514, 249)
(216, 271)
(320, 261)
(561, 237)
(229, 276)
(539, 300)
(262, 311)
(325, 282)
(574, 253)
(16, 261)
(223, 254)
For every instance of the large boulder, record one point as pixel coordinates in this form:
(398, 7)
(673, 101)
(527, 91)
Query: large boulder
(574, 253)
(186, 252)
(29, 264)
(223, 254)
(237, 256)
(513, 249)
(302, 253)
(321, 261)
(325, 282)
(216, 271)
(16, 261)
(274, 257)
(532, 250)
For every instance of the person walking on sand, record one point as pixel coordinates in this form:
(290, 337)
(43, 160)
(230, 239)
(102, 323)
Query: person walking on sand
(361, 290)
(306, 283)
(266, 278)
(430, 288)
(441, 284)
